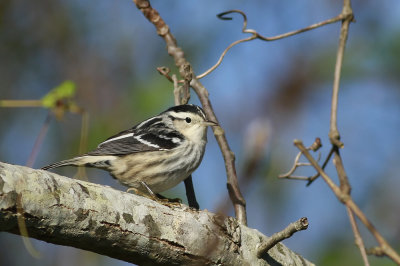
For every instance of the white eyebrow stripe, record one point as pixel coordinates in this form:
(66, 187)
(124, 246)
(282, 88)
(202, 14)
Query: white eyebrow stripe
(179, 115)
(146, 142)
(117, 138)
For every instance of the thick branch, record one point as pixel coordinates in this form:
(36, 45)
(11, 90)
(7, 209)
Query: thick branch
(124, 226)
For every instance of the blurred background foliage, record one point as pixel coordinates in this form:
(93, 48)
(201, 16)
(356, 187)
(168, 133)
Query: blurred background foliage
(279, 90)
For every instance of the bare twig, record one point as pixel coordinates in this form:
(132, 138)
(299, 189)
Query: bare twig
(165, 72)
(357, 237)
(229, 157)
(256, 35)
(312, 179)
(348, 201)
(347, 12)
(376, 251)
(208, 71)
(177, 90)
(343, 193)
(299, 225)
(289, 175)
(176, 52)
(294, 167)
(334, 134)
(344, 181)
(187, 71)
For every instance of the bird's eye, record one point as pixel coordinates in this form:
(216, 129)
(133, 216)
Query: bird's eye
(188, 120)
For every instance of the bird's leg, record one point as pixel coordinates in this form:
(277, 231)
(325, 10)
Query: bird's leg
(191, 197)
(142, 193)
(151, 193)
(159, 197)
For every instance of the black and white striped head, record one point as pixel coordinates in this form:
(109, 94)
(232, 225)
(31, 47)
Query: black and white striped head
(190, 120)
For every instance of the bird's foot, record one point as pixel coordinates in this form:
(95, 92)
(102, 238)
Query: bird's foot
(168, 201)
(148, 193)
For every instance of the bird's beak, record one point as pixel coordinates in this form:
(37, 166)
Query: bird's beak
(210, 123)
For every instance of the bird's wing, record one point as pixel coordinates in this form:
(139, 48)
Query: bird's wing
(133, 141)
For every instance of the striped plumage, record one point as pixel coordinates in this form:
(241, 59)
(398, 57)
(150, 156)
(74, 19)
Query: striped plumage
(161, 151)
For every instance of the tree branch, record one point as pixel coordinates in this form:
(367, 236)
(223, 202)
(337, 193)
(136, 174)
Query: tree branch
(256, 35)
(183, 65)
(299, 225)
(125, 226)
(345, 198)
(347, 12)
(357, 237)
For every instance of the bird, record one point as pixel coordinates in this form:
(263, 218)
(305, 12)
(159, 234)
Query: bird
(157, 153)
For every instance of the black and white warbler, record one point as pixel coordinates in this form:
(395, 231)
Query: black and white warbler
(161, 151)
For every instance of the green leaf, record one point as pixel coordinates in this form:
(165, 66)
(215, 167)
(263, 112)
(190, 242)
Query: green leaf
(64, 90)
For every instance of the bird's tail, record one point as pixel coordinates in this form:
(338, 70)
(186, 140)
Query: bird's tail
(77, 161)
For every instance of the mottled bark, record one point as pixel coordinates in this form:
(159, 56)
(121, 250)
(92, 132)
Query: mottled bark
(124, 226)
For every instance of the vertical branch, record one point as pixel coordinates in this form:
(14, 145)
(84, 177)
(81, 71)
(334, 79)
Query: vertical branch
(344, 181)
(180, 61)
(229, 157)
(188, 76)
(357, 237)
(177, 90)
(334, 135)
